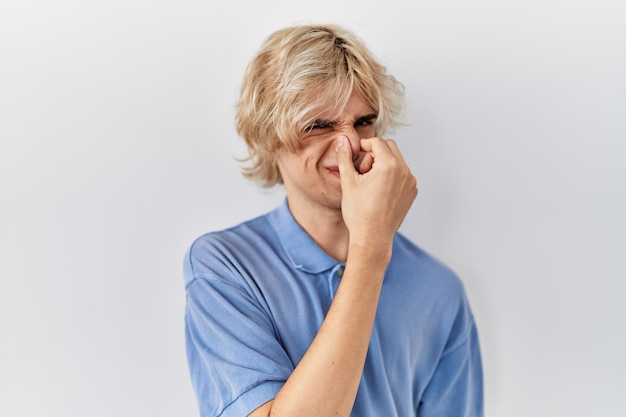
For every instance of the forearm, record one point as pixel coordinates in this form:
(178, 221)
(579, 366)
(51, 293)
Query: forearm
(326, 380)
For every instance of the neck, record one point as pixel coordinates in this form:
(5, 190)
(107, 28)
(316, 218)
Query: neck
(326, 227)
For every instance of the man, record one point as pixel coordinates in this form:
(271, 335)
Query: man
(320, 308)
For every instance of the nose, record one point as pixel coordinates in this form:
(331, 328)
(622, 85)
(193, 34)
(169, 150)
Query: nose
(353, 137)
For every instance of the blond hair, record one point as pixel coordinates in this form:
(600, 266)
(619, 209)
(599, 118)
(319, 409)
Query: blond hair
(300, 73)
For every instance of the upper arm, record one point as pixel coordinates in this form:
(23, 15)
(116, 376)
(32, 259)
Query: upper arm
(456, 387)
(234, 357)
(262, 411)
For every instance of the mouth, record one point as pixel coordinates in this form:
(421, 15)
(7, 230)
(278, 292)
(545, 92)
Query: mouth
(334, 170)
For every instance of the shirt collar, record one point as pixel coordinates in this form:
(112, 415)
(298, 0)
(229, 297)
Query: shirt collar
(299, 247)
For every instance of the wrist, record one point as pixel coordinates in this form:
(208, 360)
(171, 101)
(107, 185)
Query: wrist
(371, 251)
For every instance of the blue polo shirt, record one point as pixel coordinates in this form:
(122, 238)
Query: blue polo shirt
(257, 294)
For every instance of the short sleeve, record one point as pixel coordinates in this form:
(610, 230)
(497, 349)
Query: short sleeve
(456, 387)
(235, 359)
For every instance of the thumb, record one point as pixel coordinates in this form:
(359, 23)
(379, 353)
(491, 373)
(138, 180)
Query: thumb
(344, 158)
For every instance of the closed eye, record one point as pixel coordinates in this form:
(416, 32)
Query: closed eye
(321, 124)
(365, 121)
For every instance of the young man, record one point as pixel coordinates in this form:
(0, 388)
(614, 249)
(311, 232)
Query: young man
(320, 307)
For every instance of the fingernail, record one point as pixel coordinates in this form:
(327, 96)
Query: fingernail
(340, 141)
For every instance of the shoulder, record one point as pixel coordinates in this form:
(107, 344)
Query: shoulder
(426, 278)
(224, 252)
(429, 285)
(407, 254)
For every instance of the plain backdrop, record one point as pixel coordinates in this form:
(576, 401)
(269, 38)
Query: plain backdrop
(118, 149)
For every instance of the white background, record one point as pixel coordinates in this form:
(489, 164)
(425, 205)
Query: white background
(118, 149)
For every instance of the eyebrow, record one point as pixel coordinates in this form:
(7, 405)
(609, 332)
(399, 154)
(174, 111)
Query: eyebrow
(324, 123)
(319, 124)
(330, 123)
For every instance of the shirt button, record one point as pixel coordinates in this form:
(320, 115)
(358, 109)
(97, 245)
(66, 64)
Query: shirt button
(340, 271)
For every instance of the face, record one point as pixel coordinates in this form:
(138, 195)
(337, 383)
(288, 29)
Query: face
(311, 175)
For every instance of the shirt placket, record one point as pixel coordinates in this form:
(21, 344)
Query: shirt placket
(334, 277)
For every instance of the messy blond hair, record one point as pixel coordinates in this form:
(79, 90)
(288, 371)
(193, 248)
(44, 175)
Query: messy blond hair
(299, 74)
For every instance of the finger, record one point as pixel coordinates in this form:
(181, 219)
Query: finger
(379, 147)
(395, 150)
(344, 158)
(364, 162)
(376, 146)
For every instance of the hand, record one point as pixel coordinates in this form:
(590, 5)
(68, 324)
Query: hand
(374, 202)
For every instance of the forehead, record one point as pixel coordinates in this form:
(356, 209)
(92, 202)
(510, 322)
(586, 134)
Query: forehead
(327, 107)
(355, 107)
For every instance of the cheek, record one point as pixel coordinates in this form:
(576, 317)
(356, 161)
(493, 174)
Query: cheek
(315, 154)
(308, 158)
(295, 165)
(366, 132)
